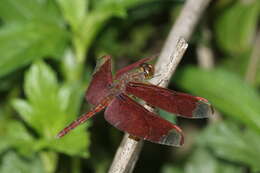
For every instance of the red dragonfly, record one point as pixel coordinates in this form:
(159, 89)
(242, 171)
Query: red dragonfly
(112, 93)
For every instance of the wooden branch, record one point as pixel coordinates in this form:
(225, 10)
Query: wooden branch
(183, 28)
(126, 155)
(171, 54)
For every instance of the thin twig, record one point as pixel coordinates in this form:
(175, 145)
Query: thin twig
(183, 27)
(205, 55)
(254, 61)
(171, 54)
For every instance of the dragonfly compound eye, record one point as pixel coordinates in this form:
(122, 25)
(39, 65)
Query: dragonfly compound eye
(148, 69)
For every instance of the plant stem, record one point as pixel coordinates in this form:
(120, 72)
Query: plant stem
(49, 160)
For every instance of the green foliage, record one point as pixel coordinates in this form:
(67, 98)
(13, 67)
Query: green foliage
(134, 45)
(29, 34)
(74, 11)
(44, 73)
(235, 27)
(230, 142)
(14, 135)
(13, 163)
(202, 156)
(226, 91)
(47, 110)
(86, 24)
(203, 161)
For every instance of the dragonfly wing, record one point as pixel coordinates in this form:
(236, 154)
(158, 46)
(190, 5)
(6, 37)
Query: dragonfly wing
(101, 81)
(129, 116)
(178, 103)
(132, 66)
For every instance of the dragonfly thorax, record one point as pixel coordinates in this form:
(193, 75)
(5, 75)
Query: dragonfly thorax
(141, 74)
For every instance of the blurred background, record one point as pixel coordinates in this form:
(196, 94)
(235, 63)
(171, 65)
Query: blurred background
(48, 50)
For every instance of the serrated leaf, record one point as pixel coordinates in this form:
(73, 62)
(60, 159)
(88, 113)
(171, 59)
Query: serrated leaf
(33, 31)
(229, 142)
(25, 110)
(40, 81)
(242, 15)
(20, 138)
(12, 163)
(226, 91)
(49, 107)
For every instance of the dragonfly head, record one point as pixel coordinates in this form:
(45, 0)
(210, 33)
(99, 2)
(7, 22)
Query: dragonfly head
(147, 69)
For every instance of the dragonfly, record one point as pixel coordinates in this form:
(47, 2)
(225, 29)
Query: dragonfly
(116, 94)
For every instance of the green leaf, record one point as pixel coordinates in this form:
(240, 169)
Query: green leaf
(92, 24)
(235, 27)
(12, 10)
(231, 63)
(50, 107)
(123, 3)
(19, 138)
(32, 35)
(226, 91)
(41, 88)
(230, 142)
(12, 163)
(74, 11)
(75, 143)
(14, 135)
(18, 11)
(86, 25)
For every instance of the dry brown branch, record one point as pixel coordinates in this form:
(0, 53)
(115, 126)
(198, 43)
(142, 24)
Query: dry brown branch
(171, 54)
